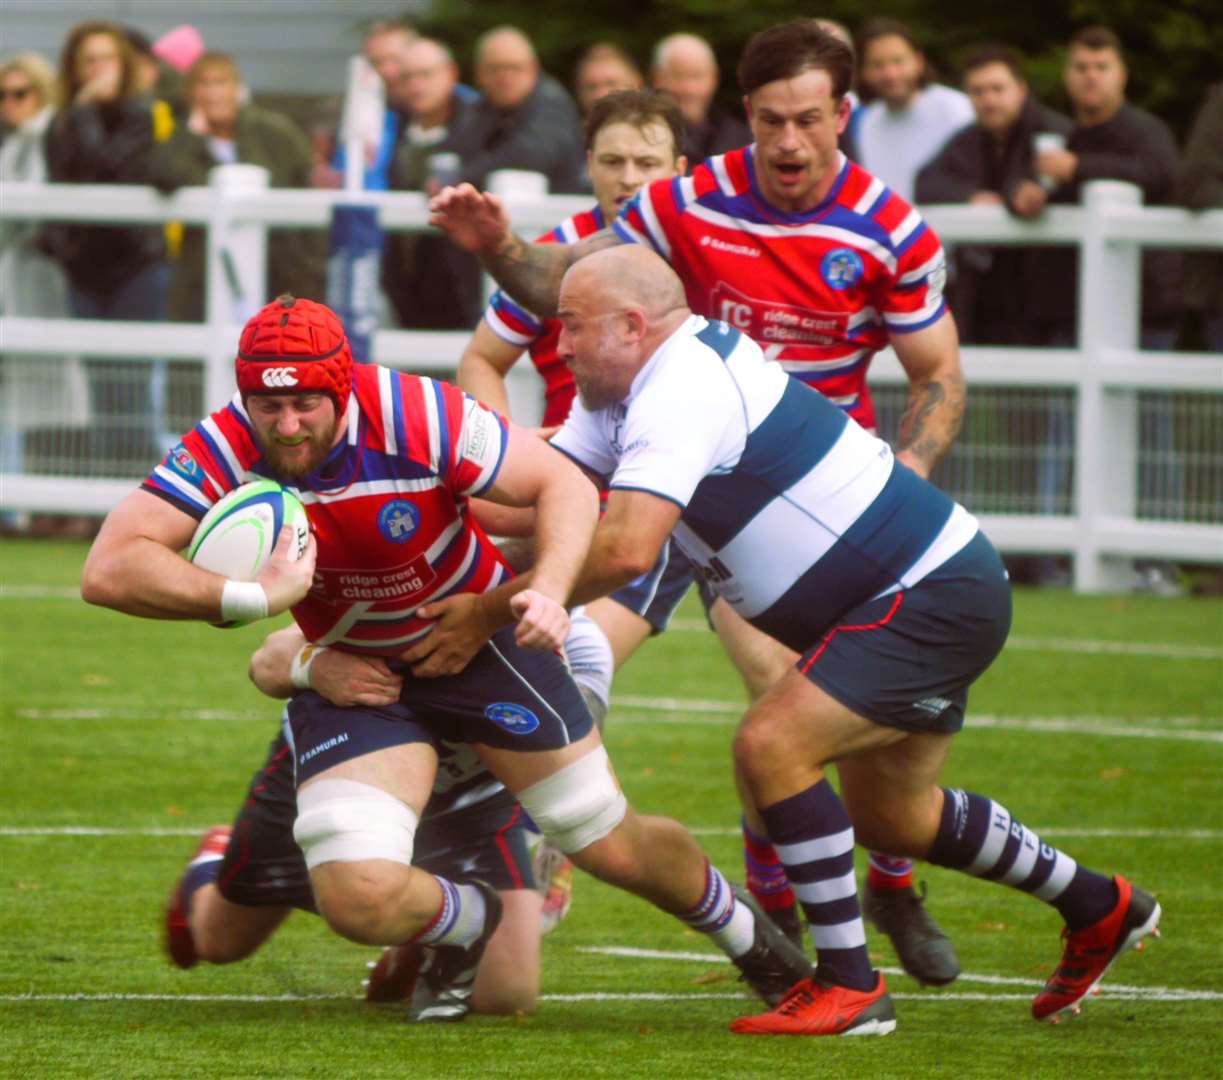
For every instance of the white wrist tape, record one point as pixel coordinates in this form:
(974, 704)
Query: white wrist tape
(303, 661)
(243, 601)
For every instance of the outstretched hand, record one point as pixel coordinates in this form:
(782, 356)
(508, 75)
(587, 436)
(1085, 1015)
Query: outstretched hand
(286, 578)
(474, 220)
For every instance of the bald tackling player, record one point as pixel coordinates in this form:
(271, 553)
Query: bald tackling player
(888, 591)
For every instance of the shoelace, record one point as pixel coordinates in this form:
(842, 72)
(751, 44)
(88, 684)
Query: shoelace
(802, 997)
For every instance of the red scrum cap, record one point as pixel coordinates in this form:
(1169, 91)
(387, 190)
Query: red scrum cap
(295, 347)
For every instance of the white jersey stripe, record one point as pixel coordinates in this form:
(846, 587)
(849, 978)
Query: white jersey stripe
(569, 232)
(791, 232)
(908, 318)
(725, 184)
(498, 326)
(386, 402)
(188, 491)
(231, 459)
(434, 422)
(360, 488)
(650, 216)
(345, 623)
(835, 364)
(687, 190)
(842, 483)
(920, 272)
(873, 190)
(902, 231)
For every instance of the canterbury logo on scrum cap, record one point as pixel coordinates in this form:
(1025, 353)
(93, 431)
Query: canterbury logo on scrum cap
(280, 376)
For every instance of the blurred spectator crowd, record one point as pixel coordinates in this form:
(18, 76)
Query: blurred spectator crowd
(124, 109)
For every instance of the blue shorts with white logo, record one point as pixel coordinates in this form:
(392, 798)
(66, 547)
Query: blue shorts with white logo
(907, 659)
(656, 594)
(507, 697)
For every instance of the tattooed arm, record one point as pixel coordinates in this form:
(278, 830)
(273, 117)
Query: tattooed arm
(935, 408)
(530, 273)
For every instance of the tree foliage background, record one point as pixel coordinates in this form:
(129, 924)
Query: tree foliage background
(1174, 48)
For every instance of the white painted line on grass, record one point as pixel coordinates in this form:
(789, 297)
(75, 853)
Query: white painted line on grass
(704, 711)
(687, 711)
(1053, 830)
(713, 830)
(1162, 993)
(1089, 646)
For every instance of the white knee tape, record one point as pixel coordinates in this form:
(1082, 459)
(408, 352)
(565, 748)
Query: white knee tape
(347, 821)
(591, 661)
(578, 804)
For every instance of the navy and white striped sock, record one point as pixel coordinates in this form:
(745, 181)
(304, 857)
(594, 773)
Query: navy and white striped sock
(814, 839)
(730, 924)
(979, 836)
(460, 919)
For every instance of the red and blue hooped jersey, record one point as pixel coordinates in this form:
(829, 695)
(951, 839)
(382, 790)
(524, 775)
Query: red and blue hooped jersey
(513, 323)
(819, 291)
(388, 507)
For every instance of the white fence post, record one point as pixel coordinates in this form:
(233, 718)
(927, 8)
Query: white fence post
(1106, 431)
(237, 261)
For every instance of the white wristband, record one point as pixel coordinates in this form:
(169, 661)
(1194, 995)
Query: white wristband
(243, 601)
(303, 661)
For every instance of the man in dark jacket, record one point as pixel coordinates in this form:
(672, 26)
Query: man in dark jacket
(220, 130)
(430, 282)
(984, 165)
(1111, 140)
(526, 119)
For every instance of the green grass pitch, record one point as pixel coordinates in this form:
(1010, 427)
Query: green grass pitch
(1101, 727)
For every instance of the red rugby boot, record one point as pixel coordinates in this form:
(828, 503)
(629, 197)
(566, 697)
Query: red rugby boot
(178, 943)
(1090, 952)
(815, 1008)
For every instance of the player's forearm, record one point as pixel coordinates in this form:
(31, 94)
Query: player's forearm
(932, 417)
(566, 514)
(531, 273)
(272, 665)
(142, 577)
(478, 377)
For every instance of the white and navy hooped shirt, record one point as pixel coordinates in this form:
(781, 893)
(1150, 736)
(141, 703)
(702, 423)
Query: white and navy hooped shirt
(791, 510)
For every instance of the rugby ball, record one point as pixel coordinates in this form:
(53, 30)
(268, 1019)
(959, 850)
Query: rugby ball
(236, 537)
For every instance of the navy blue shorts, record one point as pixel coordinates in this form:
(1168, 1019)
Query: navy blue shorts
(656, 594)
(507, 697)
(906, 660)
(264, 867)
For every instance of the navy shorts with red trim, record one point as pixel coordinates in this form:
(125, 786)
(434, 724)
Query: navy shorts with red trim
(907, 659)
(264, 867)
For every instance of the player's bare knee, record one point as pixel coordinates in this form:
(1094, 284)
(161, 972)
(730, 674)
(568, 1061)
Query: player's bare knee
(760, 747)
(509, 997)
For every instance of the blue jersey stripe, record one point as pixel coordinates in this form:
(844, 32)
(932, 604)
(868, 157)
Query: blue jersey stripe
(443, 426)
(397, 411)
(720, 337)
(802, 427)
